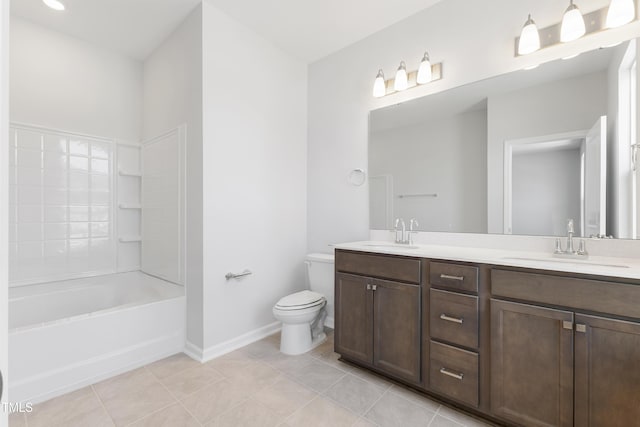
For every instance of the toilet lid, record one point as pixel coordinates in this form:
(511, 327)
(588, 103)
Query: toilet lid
(300, 300)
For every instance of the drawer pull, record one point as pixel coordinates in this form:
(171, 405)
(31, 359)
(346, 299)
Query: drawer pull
(451, 319)
(445, 371)
(447, 276)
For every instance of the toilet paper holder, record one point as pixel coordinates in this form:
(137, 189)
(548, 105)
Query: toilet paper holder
(230, 276)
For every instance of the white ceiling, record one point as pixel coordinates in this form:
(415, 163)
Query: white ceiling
(312, 29)
(131, 27)
(306, 29)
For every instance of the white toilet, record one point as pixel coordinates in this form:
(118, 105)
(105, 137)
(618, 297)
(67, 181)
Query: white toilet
(303, 313)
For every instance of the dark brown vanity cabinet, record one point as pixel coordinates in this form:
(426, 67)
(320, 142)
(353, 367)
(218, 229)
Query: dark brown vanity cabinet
(557, 367)
(377, 319)
(607, 372)
(454, 320)
(522, 346)
(531, 364)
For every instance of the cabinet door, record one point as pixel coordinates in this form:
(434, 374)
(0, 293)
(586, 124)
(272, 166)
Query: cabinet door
(607, 370)
(397, 329)
(531, 364)
(354, 317)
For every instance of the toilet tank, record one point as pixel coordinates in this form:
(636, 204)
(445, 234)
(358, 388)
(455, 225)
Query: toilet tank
(321, 276)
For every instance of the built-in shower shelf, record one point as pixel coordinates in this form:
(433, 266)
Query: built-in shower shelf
(130, 206)
(130, 239)
(130, 173)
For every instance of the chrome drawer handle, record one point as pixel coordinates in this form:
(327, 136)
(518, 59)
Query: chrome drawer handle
(446, 276)
(445, 371)
(451, 319)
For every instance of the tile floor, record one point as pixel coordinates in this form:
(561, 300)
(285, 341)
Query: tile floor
(253, 386)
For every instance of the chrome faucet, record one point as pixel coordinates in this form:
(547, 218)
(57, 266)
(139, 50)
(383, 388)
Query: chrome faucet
(400, 221)
(570, 249)
(412, 223)
(570, 252)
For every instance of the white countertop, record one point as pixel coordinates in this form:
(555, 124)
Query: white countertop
(595, 265)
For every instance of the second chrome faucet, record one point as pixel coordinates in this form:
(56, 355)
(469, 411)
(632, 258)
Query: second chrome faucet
(570, 251)
(406, 236)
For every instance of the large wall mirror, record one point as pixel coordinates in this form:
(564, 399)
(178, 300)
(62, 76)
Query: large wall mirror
(522, 153)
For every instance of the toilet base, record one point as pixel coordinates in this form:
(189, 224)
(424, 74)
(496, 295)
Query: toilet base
(296, 339)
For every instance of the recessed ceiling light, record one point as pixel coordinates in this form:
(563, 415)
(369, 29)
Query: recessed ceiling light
(54, 4)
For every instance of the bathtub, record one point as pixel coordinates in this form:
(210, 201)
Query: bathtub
(66, 335)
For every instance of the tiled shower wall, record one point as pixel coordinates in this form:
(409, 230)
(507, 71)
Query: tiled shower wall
(61, 206)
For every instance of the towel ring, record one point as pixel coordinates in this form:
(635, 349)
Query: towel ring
(357, 177)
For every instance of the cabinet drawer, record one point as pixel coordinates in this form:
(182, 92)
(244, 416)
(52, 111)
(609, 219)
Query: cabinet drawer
(454, 276)
(454, 318)
(594, 295)
(454, 373)
(386, 267)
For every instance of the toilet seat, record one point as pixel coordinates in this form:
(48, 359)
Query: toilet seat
(300, 301)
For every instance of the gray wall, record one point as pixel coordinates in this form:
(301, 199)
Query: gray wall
(445, 157)
(172, 97)
(546, 192)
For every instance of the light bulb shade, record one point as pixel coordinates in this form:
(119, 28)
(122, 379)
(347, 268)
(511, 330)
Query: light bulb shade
(54, 4)
(529, 38)
(572, 24)
(401, 81)
(620, 12)
(424, 72)
(379, 86)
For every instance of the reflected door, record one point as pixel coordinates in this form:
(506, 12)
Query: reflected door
(595, 179)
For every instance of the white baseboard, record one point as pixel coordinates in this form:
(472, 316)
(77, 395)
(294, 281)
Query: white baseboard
(76, 376)
(193, 351)
(218, 350)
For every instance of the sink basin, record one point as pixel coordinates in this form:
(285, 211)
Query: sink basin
(389, 246)
(566, 261)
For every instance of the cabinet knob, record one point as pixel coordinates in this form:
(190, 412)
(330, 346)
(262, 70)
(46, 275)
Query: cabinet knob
(368, 286)
(374, 287)
(581, 328)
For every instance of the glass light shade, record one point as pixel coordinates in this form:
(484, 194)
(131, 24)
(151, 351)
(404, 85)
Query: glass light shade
(54, 4)
(401, 81)
(572, 24)
(620, 12)
(529, 38)
(424, 72)
(379, 86)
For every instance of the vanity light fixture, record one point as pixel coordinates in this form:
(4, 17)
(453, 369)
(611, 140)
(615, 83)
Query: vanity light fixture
(620, 12)
(402, 80)
(427, 72)
(572, 24)
(529, 38)
(424, 72)
(54, 4)
(379, 86)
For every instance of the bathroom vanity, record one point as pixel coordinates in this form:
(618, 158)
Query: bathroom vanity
(521, 342)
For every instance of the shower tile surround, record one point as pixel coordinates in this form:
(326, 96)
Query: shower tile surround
(255, 385)
(63, 220)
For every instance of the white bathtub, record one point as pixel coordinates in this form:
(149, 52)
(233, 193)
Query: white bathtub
(66, 335)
